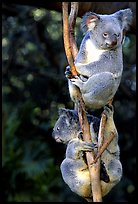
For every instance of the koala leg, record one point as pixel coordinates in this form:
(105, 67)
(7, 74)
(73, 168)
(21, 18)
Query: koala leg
(74, 169)
(114, 171)
(76, 175)
(98, 89)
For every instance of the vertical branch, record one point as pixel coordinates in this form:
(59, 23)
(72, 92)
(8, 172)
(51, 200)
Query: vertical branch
(66, 38)
(94, 168)
(72, 22)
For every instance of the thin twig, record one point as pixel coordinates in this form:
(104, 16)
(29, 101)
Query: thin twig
(104, 146)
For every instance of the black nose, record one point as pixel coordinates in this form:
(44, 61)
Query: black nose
(111, 41)
(114, 42)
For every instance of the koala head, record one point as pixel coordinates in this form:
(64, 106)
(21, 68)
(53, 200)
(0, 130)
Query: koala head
(107, 30)
(67, 126)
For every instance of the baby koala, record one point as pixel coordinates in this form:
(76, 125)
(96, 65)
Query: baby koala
(74, 168)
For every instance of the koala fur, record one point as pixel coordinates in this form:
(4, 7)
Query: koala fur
(99, 62)
(74, 168)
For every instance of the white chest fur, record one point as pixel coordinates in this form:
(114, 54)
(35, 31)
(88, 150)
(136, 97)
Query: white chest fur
(93, 54)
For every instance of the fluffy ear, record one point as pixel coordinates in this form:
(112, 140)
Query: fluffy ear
(61, 111)
(89, 21)
(125, 17)
(71, 116)
(66, 112)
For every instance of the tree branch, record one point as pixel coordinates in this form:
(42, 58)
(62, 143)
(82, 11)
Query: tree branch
(104, 146)
(94, 168)
(72, 22)
(66, 38)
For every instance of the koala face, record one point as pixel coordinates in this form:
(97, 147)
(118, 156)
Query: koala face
(107, 30)
(109, 37)
(59, 130)
(67, 126)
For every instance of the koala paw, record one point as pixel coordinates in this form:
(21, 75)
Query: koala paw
(77, 81)
(68, 73)
(108, 111)
(87, 146)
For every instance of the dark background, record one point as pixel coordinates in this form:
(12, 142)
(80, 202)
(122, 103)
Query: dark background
(34, 87)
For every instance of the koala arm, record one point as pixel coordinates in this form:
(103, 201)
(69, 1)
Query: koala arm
(102, 63)
(76, 147)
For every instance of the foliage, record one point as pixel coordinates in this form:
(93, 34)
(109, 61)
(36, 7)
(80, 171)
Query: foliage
(33, 89)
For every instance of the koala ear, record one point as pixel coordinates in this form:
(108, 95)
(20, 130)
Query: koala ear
(65, 112)
(125, 17)
(89, 21)
(61, 111)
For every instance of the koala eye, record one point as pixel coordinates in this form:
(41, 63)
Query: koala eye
(105, 35)
(58, 128)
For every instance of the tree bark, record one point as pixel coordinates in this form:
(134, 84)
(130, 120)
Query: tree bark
(94, 168)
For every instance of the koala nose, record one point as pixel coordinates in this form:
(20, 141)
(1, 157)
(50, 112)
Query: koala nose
(112, 42)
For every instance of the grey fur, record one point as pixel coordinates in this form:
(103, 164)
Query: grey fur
(99, 61)
(74, 168)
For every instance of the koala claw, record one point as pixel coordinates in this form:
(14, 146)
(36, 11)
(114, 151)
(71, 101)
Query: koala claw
(108, 111)
(68, 73)
(76, 81)
(86, 146)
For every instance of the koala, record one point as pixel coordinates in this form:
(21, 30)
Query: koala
(74, 168)
(99, 61)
